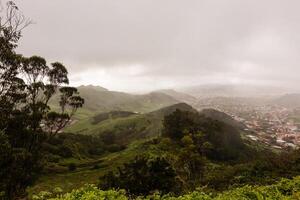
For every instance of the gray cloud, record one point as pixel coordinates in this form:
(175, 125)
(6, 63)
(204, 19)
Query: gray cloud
(121, 44)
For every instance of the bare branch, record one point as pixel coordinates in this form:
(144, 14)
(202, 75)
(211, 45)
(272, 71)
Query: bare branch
(12, 21)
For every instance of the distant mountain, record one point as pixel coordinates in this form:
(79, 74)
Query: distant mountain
(111, 100)
(180, 96)
(233, 90)
(98, 99)
(211, 90)
(288, 100)
(92, 87)
(210, 102)
(170, 109)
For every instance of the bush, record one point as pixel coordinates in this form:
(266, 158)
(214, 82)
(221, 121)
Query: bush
(143, 176)
(65, 152)
(283, 190)
(72, 167)
(96, 151)
(108, 138)
(114, 148)
(96, 166)
(53, 158)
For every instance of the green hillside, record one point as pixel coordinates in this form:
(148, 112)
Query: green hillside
(220, 116)
(138, 126)
(111, 143)
(130, 128)
(180, 96)
(98, 99)
(207, 152)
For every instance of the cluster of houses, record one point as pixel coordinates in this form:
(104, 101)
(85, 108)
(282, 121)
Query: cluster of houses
(273, 126)
(269, 124)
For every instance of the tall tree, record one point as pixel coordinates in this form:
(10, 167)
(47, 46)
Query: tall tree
(26, 120)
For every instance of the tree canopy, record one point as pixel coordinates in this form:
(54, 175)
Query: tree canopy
(26, 86)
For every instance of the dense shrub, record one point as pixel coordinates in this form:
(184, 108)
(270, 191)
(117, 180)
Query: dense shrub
(115, 148)
(283, 190)
(113, 114)
(142, 176)
(96, 151)
(108, 138)
(100, 117)
(88, 192)
(67, 145)
(53, 158)
(65, 151)
(72, 167)
(225, 143)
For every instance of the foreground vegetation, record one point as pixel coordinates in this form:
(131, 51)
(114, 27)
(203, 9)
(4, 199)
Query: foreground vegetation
(203, 152)
(283, 190)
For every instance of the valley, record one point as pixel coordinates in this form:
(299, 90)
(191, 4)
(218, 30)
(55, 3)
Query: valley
(267, 121)
(118, 136)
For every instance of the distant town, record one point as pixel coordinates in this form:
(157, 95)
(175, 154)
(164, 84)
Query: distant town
(273, 125)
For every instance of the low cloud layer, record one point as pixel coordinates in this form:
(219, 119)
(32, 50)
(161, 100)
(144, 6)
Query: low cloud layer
(136, 45)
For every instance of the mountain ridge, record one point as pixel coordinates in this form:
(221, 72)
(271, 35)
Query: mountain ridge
(99, 99)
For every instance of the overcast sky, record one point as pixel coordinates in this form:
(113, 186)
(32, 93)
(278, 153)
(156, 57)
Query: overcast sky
(135, 45)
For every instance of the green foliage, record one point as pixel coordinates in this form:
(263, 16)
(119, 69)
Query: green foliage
(190, 164)
(26, 86)
(127, 129)
(72, 167)
(217, 176)
(283, 190)
(142, 176)
(89, 192)
(214, 139)
(178, 123)
(107, 115)
(209, 153)
(67, 146)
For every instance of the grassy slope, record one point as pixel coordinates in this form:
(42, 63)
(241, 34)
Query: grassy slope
(85, 173)
(129, 128)
(142, 126)
(99, 100)
(133, 130)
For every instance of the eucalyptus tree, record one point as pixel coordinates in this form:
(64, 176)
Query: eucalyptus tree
(26, 119)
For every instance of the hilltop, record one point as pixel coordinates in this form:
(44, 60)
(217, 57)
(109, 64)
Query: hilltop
(128, 128)
(92, 87)
(233, 90)
(223, 117)
(99, 99)
(134, 126)
(180, 96)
